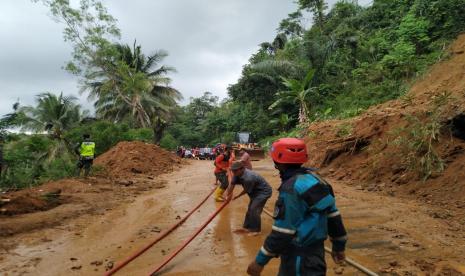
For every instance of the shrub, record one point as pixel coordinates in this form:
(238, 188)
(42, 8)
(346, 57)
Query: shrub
(418, 139)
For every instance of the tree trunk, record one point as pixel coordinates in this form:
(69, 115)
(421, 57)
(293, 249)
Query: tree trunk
(302, 115)
(158, 128)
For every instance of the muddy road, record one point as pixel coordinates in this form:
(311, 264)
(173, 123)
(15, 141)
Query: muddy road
(389, 235)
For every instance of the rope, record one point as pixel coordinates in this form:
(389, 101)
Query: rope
(159, 238)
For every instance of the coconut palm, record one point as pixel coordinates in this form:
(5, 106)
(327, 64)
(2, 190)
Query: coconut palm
(53, 114)
(137, 90)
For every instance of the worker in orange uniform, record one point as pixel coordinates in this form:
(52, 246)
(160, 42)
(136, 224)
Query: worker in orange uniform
(222, 172)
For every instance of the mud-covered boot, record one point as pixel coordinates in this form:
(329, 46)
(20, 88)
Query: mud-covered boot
(218, 195)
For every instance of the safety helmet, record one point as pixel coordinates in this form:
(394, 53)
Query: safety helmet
(289, 151)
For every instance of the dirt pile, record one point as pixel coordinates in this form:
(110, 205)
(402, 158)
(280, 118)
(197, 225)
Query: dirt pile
(27, 203)
(366, 149)
(129, 169)
(44, 197)
(127, 159)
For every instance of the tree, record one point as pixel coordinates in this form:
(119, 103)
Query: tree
(198, 108)
(122, 79)
(7, 121)
(317, 7)
(414, 29)
(138, 92)
(90, 29)
(52, 114)
(282, 122)
(292, 26)
(299, 92)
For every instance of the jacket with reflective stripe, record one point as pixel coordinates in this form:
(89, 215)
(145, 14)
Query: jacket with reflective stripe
(301, 215)
(87, 149)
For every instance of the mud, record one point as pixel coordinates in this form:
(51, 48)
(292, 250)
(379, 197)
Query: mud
(389, 235)
(362, 150)
(128, 159)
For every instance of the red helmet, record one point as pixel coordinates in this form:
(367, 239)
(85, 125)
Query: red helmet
(289, 151)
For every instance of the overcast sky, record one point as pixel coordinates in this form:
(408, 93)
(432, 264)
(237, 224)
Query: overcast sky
(208, 42)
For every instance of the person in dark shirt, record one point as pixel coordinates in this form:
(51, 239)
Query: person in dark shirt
(258, 190)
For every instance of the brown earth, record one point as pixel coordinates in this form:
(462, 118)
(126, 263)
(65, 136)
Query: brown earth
(384, 234)
(129, 158)
(362, 149)
(127, 170)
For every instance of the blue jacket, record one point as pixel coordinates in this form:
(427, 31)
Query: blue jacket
(305, 213)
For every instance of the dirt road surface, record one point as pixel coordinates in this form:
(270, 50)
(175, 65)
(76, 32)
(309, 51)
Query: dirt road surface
(391, 236)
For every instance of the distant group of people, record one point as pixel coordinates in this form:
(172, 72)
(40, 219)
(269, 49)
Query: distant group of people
(206, 153)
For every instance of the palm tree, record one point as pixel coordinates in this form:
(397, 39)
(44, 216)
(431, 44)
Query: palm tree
(299, 92)
(53, 114)
(137, 91)
(7, 121)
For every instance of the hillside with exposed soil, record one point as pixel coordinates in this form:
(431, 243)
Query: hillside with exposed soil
(369, 150)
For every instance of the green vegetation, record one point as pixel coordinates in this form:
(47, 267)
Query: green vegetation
(29, 160)
(350, 59)
(416, 142)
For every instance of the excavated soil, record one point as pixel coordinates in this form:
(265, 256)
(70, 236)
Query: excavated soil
(129, 158)
(28, 203)
(128, 169)
(363, 149)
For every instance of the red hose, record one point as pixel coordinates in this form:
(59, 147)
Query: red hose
(169, 258)
(159, 238)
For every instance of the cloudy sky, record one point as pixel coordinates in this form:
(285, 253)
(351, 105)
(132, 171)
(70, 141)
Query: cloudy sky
(208, 43)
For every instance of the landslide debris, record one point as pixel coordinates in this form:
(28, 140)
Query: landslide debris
(370, 150)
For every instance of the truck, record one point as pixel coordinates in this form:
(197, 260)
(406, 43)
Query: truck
(244, 141)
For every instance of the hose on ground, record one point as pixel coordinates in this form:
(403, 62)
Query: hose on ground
(180, 248)
(186, 242)
(159, 238)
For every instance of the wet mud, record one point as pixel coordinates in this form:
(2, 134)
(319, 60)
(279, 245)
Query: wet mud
(388, 235)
